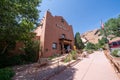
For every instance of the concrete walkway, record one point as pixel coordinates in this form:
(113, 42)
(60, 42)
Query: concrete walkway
(95, 67)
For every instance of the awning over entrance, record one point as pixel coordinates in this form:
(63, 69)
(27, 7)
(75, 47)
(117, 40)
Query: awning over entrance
(67, 41)
(65, 44)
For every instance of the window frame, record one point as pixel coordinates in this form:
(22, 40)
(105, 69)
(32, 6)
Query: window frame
(63, 36)
(54, 45)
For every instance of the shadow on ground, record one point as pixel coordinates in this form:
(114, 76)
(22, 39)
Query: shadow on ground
(34, 72)
(67, 74)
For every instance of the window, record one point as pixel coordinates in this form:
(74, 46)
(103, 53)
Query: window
(114, 43)
(54, 45)
(119, 42)
(62, 20)
(63, 36)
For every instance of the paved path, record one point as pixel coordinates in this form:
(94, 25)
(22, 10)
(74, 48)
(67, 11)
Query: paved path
(95, 67)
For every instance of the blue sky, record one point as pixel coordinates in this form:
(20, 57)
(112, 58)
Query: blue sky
(83, 15)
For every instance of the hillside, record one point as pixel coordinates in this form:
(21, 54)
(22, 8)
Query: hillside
(91, 36)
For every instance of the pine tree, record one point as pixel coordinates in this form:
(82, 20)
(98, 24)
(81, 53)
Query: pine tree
(78, 42)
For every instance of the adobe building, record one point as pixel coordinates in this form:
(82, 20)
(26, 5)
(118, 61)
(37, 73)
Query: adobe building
(56, 35)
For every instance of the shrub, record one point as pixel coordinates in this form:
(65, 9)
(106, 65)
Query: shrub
(116, 53)
(74, 54)
(10, 60)
(68, 58)
(32, 51)
(6, 74)
(15, 60)
(91, 46)
(71, 56)
(31, 55)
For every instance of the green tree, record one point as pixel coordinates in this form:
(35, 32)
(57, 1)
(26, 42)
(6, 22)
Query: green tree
(112, 27)
(101, 43)
(78, 42)
(90, 46)
(17, 19)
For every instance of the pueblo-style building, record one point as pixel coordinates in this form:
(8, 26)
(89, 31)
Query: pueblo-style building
(56, 35)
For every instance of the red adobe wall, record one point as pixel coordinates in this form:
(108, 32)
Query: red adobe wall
(54, 28)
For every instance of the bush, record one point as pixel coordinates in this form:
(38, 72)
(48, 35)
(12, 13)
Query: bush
(10, 61)
(15, 60)
(6, 74)
(71, 56)
(116, 53)
(91, 46)
(31, 55)
(74, 54)
(31, 51)
(68, 58)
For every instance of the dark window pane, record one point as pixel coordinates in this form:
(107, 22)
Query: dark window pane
(119, 42)
(114, 43)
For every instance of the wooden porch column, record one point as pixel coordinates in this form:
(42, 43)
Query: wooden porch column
(62, 47)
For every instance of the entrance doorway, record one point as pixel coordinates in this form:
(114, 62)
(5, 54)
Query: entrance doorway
(65, 46)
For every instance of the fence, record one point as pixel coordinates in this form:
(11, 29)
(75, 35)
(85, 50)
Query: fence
(115, 61)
